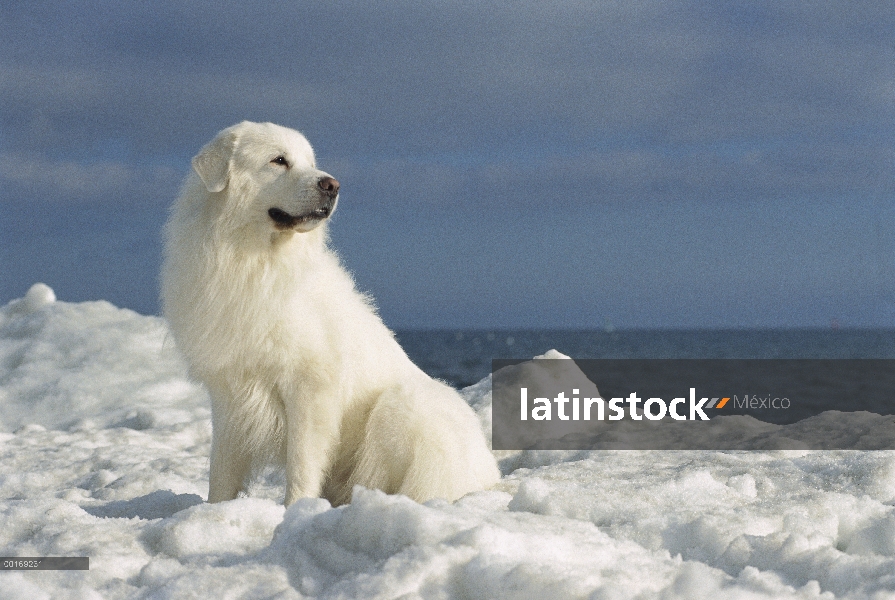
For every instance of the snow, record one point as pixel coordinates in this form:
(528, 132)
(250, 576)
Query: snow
(105, 443)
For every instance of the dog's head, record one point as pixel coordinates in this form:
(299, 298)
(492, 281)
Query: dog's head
(268, 173)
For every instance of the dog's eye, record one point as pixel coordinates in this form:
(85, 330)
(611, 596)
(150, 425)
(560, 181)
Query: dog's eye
(280, 160)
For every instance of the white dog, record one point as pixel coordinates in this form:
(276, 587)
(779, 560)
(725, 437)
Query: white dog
(301, 370)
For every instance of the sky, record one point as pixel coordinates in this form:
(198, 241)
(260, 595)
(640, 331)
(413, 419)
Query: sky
(654, 164)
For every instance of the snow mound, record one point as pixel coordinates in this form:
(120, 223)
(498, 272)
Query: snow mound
(65, 366)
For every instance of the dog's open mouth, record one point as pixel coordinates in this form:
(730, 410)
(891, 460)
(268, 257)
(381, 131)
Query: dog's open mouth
(284, 220)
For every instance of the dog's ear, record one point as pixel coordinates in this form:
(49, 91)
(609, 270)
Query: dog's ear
(212, 164)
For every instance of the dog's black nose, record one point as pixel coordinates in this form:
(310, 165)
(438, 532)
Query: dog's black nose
(329, 186)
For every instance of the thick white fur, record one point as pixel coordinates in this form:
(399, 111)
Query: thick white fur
(301, 370)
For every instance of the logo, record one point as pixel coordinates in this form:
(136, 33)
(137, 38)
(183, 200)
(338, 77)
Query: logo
(586, 409)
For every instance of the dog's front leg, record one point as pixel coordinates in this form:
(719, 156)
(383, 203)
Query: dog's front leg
(229, 468)
(311, 432)
(230, 461)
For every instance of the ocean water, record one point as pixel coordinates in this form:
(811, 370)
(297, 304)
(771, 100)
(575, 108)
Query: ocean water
(463, 357)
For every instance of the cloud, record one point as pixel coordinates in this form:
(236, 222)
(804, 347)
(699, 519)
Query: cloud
(49, 179)
(618, 98)
(408, 78)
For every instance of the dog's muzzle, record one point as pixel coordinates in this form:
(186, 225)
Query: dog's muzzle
(329, 192)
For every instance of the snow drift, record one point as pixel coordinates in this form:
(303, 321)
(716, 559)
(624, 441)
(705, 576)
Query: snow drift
(105, 454)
